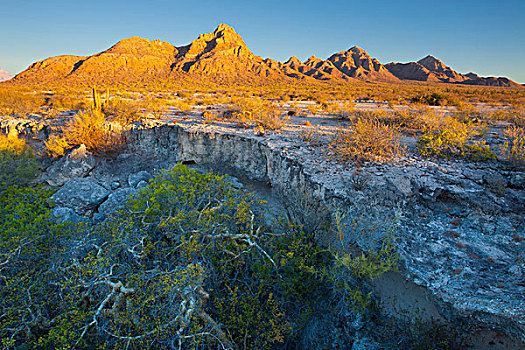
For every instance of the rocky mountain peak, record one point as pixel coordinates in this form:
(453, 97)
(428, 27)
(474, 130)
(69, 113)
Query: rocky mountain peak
(357, 63)
(358, 50)
(293, 62)
(224, 40)
(222, 29)
(432, 63)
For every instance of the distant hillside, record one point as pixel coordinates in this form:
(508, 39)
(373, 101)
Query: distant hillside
(222, 57)
(5, 75)
(431, 69)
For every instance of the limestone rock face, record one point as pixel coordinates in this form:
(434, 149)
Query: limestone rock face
(136, 178)
(80, 194)
(77, 163)
(115, 201)
(63, 214)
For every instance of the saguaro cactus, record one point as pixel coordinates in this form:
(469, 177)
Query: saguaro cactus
(97, 106)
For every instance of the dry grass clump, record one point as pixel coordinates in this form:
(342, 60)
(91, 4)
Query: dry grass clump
(262, 112)
(66, 101)
(342, 110)
(122, 111)
(514, 116)
(91, 128)
(514, 147)
(406, 119)
(311, 136)
(367, 140)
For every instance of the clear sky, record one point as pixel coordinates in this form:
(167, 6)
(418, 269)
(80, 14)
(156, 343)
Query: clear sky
(486, 37)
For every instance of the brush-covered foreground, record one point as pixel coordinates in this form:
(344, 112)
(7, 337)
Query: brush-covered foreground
(189, 262)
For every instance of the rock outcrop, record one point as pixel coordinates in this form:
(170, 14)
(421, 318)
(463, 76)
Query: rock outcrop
(81, 195)
(458, 225)
(455, 220)
(77, 163)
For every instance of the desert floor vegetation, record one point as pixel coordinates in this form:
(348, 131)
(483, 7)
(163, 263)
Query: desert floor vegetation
(189, 261)
(447, 120)
(192, 261)
(367, 140)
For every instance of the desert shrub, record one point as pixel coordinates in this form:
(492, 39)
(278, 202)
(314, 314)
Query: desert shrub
(122, 111)
(18, 163)
(367, 141)
(188, 261)
(91, 129)
(30, 241)
(157, 107)
(263, 113)
(311, 136)
(208, 116)
(452, 138)
(514, 146)
(56, 145)
(181, 105)
(432, 99)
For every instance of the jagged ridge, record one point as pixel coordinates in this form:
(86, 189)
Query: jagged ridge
(223, 57)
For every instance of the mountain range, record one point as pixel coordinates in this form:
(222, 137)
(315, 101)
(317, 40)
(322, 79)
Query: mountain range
(223, 57)
(5, 75)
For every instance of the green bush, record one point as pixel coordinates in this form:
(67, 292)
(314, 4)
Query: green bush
(453, 138)
(189, 261)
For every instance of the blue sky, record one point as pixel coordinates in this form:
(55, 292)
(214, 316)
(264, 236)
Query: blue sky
(486, 37)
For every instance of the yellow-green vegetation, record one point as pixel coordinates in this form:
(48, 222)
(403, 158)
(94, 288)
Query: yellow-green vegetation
(453, 138)
(262, 112)
(367, 140)
(436, 99)
(354, 272)
(18, 163)
(189, 261)
(91, 129)
(56, 145)
(514, 146)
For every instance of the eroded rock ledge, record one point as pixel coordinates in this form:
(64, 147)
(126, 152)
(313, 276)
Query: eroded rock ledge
(459, 225)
